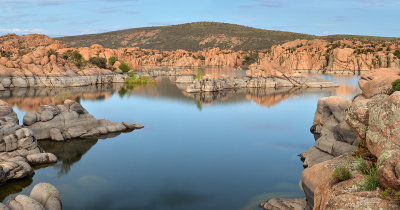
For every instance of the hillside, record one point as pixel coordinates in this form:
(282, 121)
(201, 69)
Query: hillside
(190, 36)
(198, 36)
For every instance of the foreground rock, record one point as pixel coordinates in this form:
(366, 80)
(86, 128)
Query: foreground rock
(18, 147)
(70, 120)
(332, 134)
(43, 196)
(323, 192)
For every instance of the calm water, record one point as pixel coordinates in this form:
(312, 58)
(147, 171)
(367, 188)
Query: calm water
(207, 151)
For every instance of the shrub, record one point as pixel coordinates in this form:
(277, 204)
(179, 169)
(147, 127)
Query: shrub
(99, 62)
(387, 192)
(112, 60)
(396, 85)
(199, 74)
(124, 67)
(397, 54)
(52, 52)
(251, 58)
(397, 195)
(132, 81)
(75, 57)
(341, 174)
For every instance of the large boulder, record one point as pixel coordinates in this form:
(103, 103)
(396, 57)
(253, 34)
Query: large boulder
(332, 134)
(47, 195)
(378, 81)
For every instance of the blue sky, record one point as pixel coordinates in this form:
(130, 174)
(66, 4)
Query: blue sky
(319, 17)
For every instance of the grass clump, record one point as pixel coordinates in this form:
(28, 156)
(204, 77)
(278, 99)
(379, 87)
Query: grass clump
(112, 60)
(387, 192)
(396, 85)
(341, 174)
(361, 165)
(124, 67)
(371, 181)
(99, 62)
(397, 195)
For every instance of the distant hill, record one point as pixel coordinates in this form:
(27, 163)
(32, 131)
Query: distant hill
(198, 36)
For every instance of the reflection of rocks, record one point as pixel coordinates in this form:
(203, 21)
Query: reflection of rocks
(29, 99)
(43, 196)
(18, 147)
(15, 186)
(262, 96)
(70, 152)
(212, 85)
(332, 134)
(69, 121)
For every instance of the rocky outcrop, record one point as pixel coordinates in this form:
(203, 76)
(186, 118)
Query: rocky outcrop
(212, 85)
(70, 120)
(323, 192)
(375, 121)
(378, 82)
(332, 134)
(339, 55)
(18, 147)
(43, 196)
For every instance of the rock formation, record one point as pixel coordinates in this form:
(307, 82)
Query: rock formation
(332, 134)
(212, 84)
(43, 196)
(70, 120)
(373, 119)
(18, 147)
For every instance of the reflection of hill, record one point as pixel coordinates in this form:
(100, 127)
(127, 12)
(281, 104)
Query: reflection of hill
(29, 99)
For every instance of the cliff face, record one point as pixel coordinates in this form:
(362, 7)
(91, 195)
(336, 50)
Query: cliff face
(339, 55)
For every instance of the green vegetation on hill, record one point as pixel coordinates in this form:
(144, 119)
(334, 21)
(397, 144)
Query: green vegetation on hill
(198, 36)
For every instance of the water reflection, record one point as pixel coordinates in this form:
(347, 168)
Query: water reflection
(15, 186)
(30, 99)
(71, 151)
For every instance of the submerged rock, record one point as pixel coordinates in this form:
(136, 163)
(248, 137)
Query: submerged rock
(70, 120)
(284, 204)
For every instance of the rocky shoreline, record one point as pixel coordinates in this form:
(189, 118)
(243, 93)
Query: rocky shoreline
(359, 138)
(19, 149)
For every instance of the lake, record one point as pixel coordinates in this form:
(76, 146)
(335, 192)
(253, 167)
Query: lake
(228, 150)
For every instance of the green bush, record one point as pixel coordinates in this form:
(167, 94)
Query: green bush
(99, 62)
(396, 85)
(387, 192)
(75, 57)
(397, 54)
(52, 52)
(112, 60)
(341, 174)
(199, 74)
(124, 67)
(251, 58)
